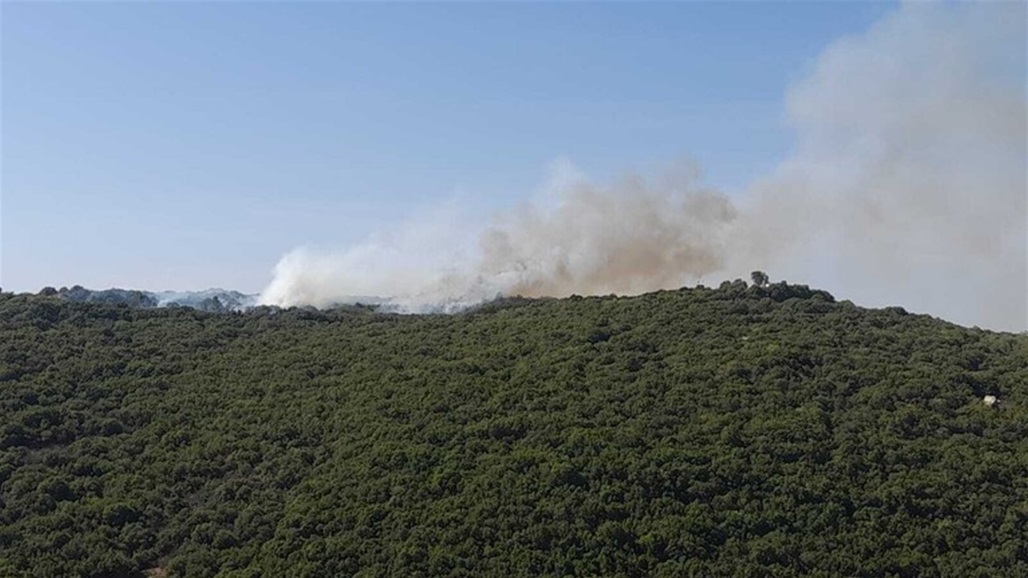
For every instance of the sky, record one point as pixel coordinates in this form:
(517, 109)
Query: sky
(451, 152)
(181, 146)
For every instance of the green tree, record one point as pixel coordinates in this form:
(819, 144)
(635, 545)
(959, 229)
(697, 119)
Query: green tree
(759, 278)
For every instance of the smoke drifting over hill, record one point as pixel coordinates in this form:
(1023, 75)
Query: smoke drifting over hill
(631, 237)
(907, 186)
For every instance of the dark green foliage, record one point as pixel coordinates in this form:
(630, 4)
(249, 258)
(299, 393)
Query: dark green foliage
(743, 431)
(759, 278)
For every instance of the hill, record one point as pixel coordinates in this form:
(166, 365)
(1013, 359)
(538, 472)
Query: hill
(738, 431)
(214, 300)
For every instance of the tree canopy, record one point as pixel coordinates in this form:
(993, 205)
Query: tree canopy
(738, 431)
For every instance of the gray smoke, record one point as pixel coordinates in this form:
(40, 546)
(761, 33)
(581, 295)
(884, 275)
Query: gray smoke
(908, 183)
(578, 237)
(907, 186)
(628, 238)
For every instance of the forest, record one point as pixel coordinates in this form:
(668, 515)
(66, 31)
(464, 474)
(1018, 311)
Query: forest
(738, 431)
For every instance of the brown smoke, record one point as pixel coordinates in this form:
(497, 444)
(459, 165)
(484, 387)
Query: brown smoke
(628, 238)
(907, 186)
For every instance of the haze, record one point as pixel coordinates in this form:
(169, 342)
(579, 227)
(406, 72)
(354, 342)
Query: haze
(453, 152)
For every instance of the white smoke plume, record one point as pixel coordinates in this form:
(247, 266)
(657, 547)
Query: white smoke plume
(910, 177)
(907, 186)
(580, 237)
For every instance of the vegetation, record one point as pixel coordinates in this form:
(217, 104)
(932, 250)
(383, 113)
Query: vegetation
(740, 431)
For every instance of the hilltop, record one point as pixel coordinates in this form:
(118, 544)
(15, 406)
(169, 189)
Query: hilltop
(214, 300)
(737, 431)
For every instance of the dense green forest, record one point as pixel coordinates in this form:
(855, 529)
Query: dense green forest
(739, 431)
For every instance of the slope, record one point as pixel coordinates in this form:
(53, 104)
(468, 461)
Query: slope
(737, 431)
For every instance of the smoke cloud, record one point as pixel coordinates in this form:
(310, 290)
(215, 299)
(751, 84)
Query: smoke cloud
(577, 237)
(907, 186)
(909, 180)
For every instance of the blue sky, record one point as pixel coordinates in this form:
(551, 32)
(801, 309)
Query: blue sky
(187, 145)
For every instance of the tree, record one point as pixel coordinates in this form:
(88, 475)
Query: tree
(759, 278)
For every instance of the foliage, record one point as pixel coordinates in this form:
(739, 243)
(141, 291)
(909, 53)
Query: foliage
(759, 278)
(738, 431)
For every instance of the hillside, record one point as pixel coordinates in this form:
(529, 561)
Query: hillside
(214, 300)
(739, 431)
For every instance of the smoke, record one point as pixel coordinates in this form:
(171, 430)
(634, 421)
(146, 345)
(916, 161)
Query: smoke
(577, 237)
(907, 185)
(630, 237)
(418, 266)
